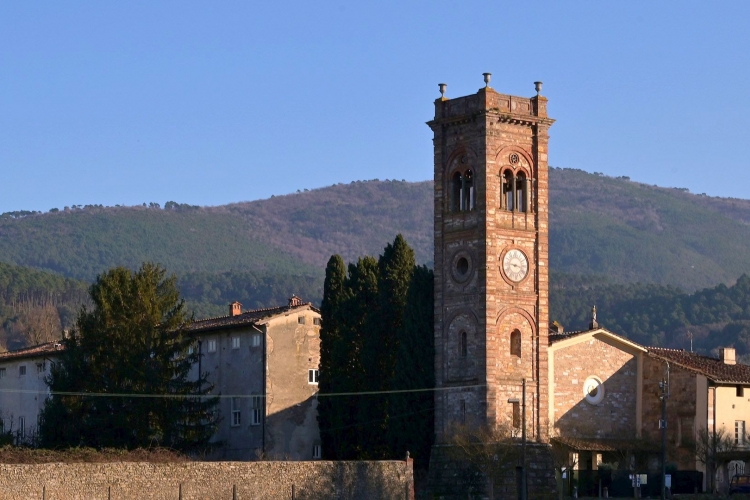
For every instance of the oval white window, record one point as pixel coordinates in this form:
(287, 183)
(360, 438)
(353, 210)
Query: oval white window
(593, 390)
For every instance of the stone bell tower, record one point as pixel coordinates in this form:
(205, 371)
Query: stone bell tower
(491, 261)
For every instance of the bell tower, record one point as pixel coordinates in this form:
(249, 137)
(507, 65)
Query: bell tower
(491, 261)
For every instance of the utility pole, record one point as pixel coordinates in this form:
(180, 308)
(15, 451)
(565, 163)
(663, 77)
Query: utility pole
(664, 386)
(523, 441)
(523, 436)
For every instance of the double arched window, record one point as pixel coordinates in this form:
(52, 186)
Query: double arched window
(516, 188)
(463, 197)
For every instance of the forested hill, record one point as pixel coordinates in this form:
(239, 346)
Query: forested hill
(657, 315)
(626, 231)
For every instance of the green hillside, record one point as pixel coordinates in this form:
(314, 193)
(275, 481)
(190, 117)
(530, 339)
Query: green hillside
(627, 231)
(634, 232)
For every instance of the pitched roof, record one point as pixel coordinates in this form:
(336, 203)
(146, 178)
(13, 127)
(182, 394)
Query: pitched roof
(557, 337)
(713, 368)
(32, 352)
(253, 317)
(604, 444)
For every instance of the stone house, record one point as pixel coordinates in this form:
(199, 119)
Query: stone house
(708, 396)
(605, 403)
(23, 389)
(263, 363)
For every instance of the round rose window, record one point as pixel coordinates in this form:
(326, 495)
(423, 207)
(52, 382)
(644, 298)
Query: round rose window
(593, 390)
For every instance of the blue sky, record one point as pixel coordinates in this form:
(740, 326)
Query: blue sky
(215, 102)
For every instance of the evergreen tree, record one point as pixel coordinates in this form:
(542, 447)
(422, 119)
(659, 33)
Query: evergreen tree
(412, 413)
(333, 358)
(376, 322)
(133, 344)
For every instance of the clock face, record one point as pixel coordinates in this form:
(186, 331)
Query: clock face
(515, 265)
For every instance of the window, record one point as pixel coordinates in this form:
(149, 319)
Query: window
(255, 403)
(256, 340)
(22, 370)
(40, 367)
(593, 390)
(740, 391)
(301, 320)
(21, 426)
(312, 376)
(462, 192)
(507, 187)
(516, 414)
(316, 321)
(464, 347)
(191, 350)
(2, 372)
(515, 192)
(236, 417)
(235, 342)
(462, 410)
(739, 432)
(211, 346)
(515, 343)
(316, 451)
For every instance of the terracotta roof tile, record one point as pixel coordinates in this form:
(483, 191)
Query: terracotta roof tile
(244, 319)
(713, 368)
(33, 351)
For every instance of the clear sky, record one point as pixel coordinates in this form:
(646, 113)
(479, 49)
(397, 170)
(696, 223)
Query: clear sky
(215, 102)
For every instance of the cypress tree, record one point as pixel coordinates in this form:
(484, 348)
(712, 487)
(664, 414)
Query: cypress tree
(332, 357)
(412, 414)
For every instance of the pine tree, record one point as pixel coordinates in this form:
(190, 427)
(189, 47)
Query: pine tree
(133, 345)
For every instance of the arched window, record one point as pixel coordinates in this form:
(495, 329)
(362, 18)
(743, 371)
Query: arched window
(468, 191)
(462, 192)
(508, 189)
(515, 343)
(521, 198)
(456, 182)
(464, 345)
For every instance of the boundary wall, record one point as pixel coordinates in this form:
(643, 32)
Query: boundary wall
(209, 480)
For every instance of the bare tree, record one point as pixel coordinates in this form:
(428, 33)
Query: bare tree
(708, 445)
(492, 450)
(36, 322)
(564, 462)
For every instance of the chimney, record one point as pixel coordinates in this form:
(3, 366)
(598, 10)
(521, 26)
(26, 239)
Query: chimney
(294, 301)
(235, 309)
(594, 324)
(727, 355)
(557, 328)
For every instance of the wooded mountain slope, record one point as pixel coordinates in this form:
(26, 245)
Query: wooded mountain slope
(599, 226)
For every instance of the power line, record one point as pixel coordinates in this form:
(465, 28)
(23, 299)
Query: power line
(222, 396)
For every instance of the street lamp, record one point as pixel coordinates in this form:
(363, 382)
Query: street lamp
(523, 436)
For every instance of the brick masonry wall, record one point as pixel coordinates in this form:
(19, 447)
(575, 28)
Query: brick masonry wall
(615, 415)
(214, 480)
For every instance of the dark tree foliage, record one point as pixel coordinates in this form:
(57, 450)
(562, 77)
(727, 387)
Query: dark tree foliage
(655, 315)
(373, 319)
(333, 356)
(132, 344)
(412, 413)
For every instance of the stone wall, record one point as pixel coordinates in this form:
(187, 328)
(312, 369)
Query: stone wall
(453, 478)
(214, 480)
